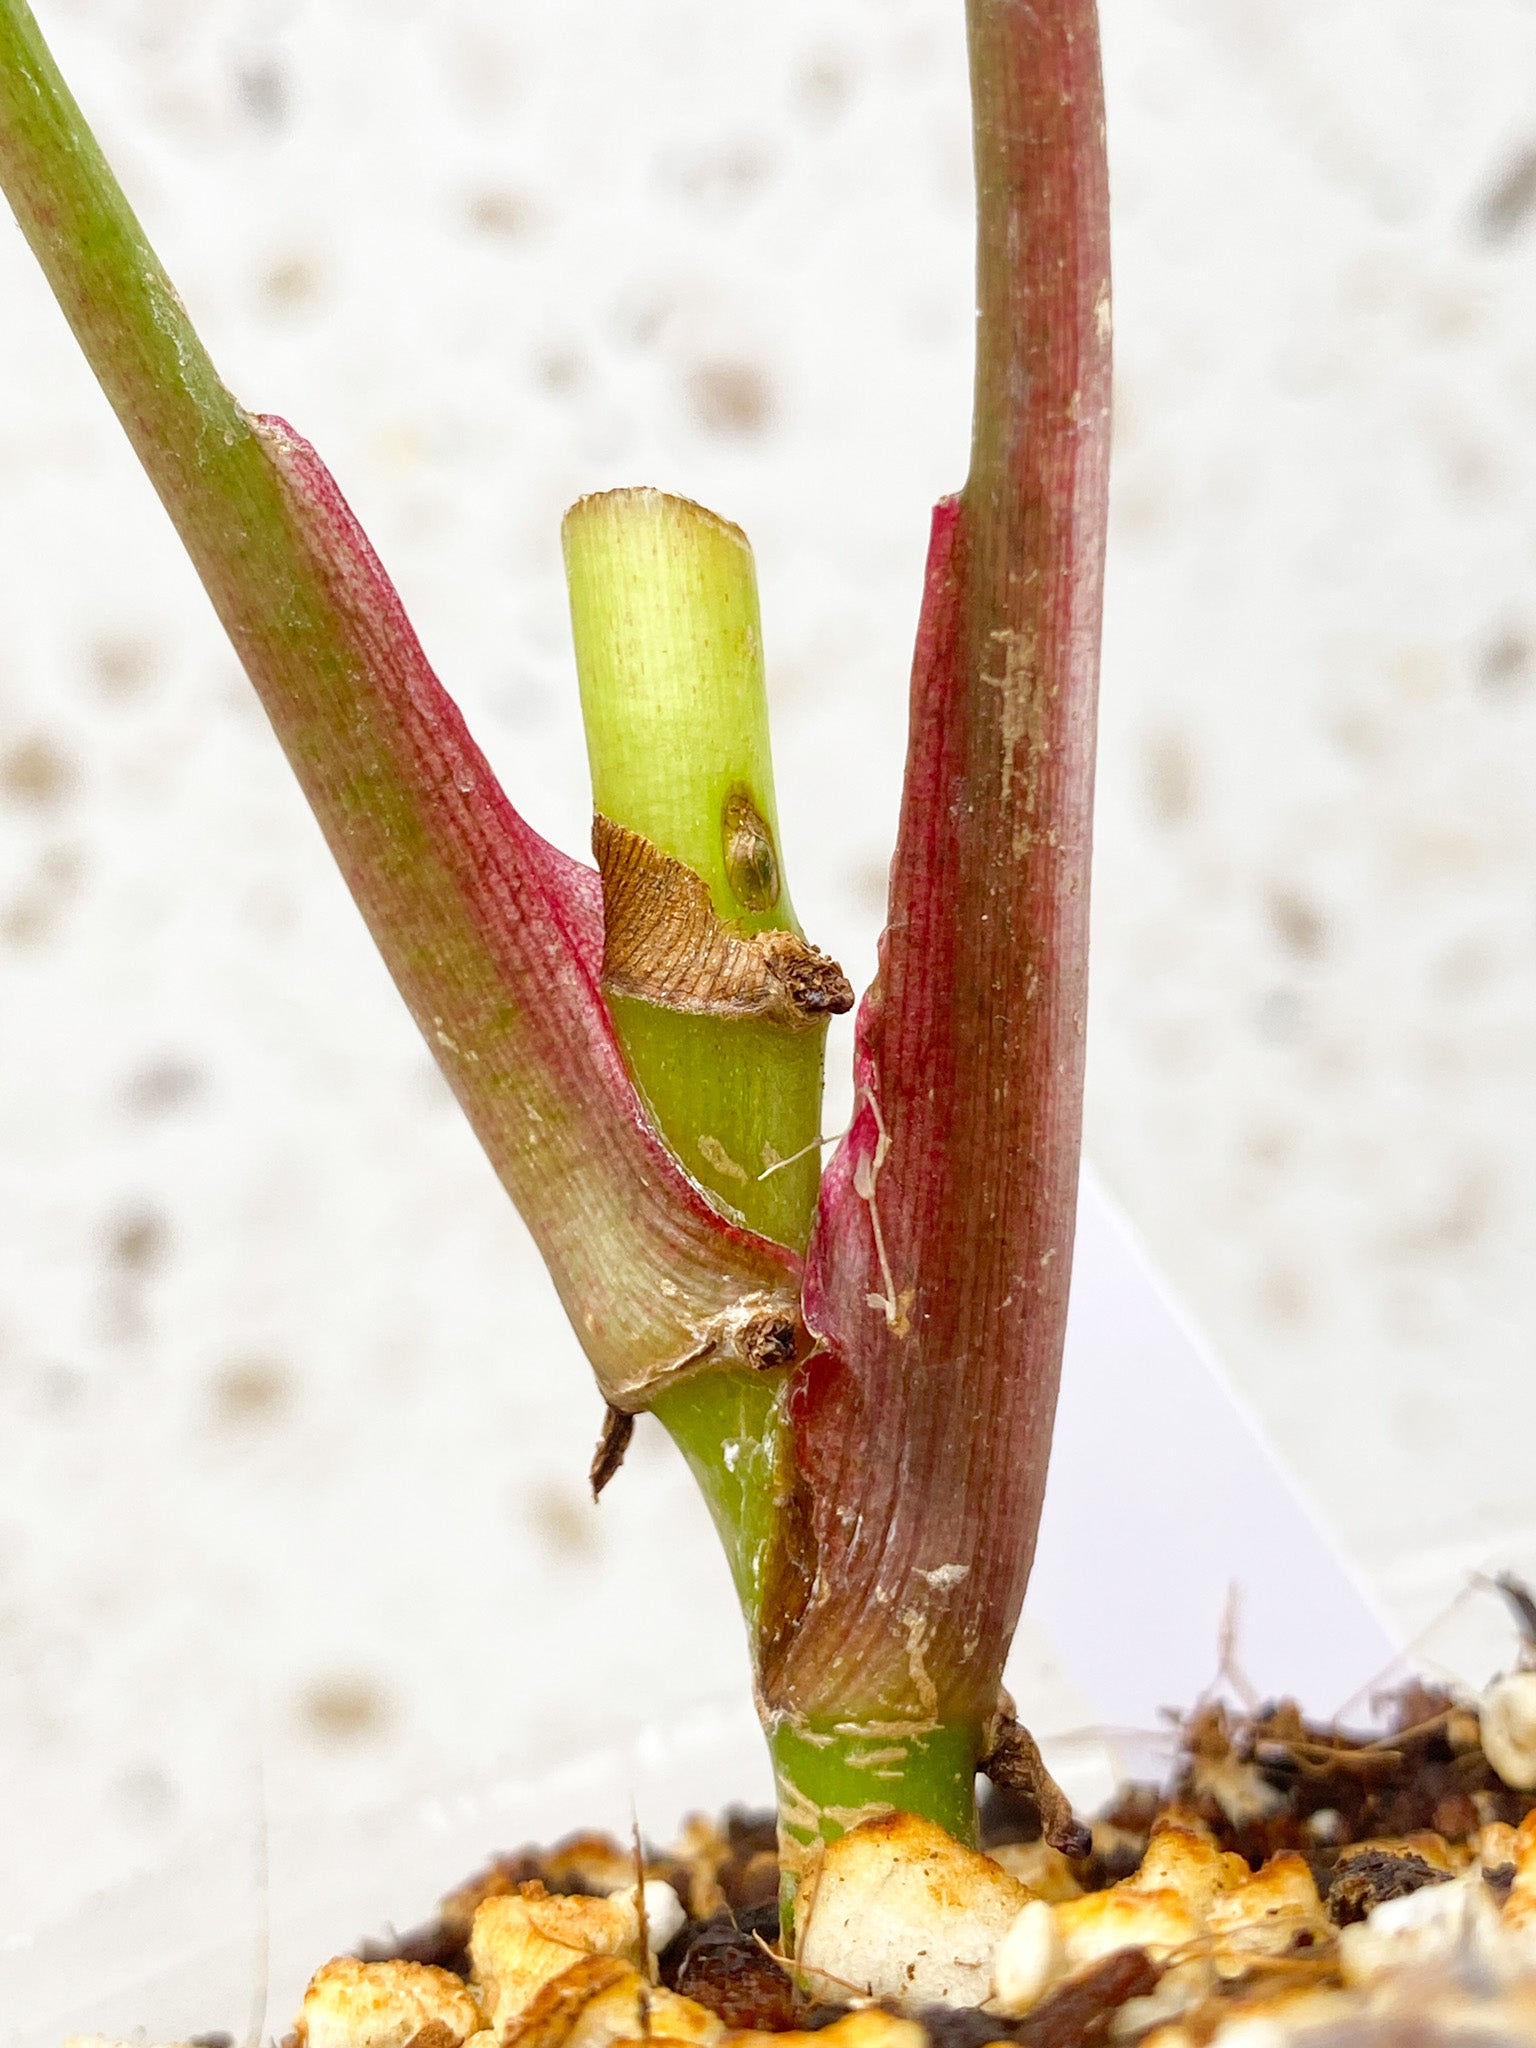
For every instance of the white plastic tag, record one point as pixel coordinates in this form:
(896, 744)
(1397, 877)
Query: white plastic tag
(1166, 1512)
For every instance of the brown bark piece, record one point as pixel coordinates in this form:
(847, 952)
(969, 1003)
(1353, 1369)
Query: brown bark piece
(1370, 1877)
(726, 1966)
(1077, 2014)
(664, 942)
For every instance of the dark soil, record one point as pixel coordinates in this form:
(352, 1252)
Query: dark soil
(1274, 1781)
(725, 1964)
(1262, 1784)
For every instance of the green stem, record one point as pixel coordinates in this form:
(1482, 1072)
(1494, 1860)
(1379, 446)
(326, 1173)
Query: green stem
(669, 651)
(487, 931)
(192, 437)
(830, 1777)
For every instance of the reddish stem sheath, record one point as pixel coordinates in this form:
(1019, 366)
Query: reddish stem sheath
(937, 1277)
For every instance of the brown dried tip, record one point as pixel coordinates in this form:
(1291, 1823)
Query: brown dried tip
(1015, 1763)
(770, 1339)
(612, 1443)
(664, 942)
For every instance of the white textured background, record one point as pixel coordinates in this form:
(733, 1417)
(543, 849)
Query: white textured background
(292, 1441)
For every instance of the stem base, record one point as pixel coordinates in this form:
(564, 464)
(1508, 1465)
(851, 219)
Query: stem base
(832, 1776)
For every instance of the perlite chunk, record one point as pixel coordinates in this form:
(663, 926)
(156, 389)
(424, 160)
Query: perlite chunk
(1029, 1959)
(385, 2005)
(600, 2001)
(1508, 1725)
(1275, 1912)
(869, 2028)
(1125, 1917)
(898, 1909)
(521, 1941)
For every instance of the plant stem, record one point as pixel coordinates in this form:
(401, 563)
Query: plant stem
(493, 937)
(937, 1275)
(193, 438)
(831, 1777)
(669, 652)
